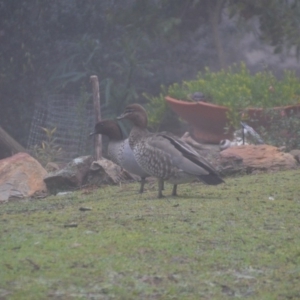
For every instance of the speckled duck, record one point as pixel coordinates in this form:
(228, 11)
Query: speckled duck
(165, 156)
(119, 150)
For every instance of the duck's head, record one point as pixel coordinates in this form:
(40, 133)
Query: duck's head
(109, 128)
(136, 114)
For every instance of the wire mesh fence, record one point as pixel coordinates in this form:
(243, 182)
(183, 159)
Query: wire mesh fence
(73, 120)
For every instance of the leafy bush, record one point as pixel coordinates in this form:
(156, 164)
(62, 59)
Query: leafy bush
(234, 88)
(156, 108)
(48, 151)
(283, 130)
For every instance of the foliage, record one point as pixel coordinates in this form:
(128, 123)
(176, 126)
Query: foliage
(283, 129)
(156, 109)
(237, 240)
(279, 21)
(236, 89)
(132, 46)
(54, 46)
(48, 151)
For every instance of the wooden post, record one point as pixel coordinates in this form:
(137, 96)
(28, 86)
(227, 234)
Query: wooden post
(97, 109)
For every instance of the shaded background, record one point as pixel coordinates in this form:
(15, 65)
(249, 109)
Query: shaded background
(52, 47)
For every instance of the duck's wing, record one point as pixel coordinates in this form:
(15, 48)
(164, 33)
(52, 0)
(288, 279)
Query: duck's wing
(189, 152)
(176, 153)
(190, 161)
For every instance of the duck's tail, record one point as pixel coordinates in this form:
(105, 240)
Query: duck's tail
(211, 179)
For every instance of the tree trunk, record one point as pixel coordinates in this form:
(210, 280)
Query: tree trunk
(215, 11)
(9, 143)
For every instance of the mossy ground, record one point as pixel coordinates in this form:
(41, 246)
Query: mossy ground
(237, 240)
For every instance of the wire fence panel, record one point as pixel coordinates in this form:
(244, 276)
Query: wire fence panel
(73, 118)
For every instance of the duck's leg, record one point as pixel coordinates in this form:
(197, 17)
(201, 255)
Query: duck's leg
(160, 187)
(143, 180)
(174, 192)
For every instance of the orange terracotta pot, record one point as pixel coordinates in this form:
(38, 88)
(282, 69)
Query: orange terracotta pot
(208, 120)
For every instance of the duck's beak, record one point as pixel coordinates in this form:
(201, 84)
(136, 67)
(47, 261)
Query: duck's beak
(92, 133)
(121, 116)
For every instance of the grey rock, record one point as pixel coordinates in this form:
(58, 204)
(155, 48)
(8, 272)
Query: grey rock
(70, 177)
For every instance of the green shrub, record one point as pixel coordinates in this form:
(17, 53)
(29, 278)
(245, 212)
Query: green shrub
(283, 130)
(48, 151)
(156, 108)
(234, 88)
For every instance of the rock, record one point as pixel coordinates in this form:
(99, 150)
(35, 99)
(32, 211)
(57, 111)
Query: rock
(70, 177)
(296, 154)
(230, 163)
(21, 176)
(212, 154)
(51, 167)
(252, 158)
(189, 140)
(104, 171)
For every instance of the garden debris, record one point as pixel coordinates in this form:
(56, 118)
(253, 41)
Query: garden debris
(196, 97)
(35, 266)
(63, 193)
(85, 208)
(71, 225)
(248, 131)
(244, 136)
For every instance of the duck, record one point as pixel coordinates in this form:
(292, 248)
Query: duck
(165, 156)
(119, 150)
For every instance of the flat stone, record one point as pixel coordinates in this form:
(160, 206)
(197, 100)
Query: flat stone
(255, 158)
(71, 176)
(21, 176)
(104, 171)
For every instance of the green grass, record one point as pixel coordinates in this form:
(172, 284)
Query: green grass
(237, 240)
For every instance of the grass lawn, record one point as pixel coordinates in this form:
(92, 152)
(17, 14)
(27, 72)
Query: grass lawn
(237, 240)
